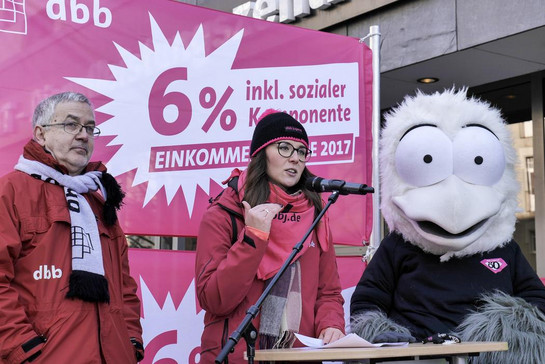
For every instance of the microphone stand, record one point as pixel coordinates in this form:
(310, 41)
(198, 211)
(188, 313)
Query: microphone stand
(246, 329)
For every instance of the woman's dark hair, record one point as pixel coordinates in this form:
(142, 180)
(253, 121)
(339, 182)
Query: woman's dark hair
(257, 190)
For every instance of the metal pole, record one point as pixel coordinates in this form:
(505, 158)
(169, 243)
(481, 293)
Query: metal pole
(537, 95)
(376, 234)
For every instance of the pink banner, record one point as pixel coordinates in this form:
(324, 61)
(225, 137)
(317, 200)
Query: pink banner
(171, 317)
(178, 90)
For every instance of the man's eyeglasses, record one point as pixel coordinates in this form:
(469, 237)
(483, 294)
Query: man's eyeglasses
(286, 150)
(75, 128)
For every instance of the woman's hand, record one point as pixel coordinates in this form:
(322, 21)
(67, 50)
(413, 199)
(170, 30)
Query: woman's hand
(330, 334)
(260, 216)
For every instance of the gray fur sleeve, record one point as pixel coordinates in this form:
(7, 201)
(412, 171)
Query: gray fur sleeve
(370, 324)
(506, 318)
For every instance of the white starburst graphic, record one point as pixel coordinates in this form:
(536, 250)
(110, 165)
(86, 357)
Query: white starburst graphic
(130, 109)
(176, 331)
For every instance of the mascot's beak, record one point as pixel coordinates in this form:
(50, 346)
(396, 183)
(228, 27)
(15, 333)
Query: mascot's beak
(452, 212)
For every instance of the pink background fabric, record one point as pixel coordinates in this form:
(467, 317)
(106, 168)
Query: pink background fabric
(166, 78)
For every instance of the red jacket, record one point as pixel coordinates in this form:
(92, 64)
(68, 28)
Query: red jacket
(35, 266)
(227, 285)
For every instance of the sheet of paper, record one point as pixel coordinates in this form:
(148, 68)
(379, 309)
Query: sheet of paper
(349, 341)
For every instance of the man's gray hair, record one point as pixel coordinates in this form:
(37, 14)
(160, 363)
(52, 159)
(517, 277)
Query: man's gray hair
(46, 108)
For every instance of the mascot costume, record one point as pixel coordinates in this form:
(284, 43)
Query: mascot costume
(449, 267)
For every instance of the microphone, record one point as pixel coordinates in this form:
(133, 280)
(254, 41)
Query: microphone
(319, 184)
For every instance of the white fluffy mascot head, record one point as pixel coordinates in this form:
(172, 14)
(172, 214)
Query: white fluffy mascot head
(448, 180)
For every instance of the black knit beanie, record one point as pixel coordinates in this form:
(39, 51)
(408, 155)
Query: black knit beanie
(277, 126)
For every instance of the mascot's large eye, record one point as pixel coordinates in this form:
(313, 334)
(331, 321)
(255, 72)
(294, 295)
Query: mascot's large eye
(424, 156)
(478, 156)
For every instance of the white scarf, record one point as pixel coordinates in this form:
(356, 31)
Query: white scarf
(85, 239)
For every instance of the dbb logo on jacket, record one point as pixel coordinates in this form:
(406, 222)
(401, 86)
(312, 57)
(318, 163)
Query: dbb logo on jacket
(43, 272)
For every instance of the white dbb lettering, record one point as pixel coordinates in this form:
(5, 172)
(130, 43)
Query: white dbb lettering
(44, 272)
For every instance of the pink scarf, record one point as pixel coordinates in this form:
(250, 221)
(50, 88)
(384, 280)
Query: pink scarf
(287, 228)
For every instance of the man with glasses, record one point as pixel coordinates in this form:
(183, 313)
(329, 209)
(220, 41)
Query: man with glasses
(66, 295)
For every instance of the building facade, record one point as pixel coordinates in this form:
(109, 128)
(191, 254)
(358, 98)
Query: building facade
(496, 48)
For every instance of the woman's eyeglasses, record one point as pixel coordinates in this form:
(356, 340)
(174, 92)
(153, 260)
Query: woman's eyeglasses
(286, 150)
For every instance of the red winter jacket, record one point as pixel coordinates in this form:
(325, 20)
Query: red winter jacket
(227, 285)
(35, 266)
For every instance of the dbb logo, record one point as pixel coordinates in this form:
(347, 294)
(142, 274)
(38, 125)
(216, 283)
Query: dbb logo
(79, 13)
(43, 272)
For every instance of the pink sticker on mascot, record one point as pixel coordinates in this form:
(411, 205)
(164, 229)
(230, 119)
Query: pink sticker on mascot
(495, 265)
